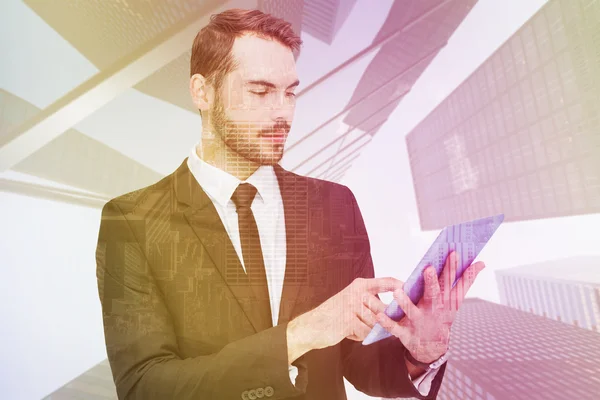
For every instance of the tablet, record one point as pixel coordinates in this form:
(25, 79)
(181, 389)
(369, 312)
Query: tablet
(467, 239)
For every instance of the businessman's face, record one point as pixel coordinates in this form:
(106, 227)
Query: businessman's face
(253, 110)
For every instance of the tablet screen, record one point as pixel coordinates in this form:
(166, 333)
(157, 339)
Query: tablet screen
(468, 239)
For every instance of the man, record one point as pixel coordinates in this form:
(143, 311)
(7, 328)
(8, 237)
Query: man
(234, 278)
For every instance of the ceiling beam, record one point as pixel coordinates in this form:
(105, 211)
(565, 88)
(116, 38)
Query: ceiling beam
(53, 193)
(106, 85)
(344, 167)
(338, 176)
(350, 153)
(337, 153)
(349, 131)
(367, 96)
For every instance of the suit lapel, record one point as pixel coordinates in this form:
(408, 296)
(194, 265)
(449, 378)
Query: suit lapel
(204, 220)
(294, 192)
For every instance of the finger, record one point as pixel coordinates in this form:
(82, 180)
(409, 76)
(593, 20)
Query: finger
(410, 309)
(367, 316)
(468, 278)
(360, 330)
(448, 275)
(464, 283)
(401, 332)
(380, 285)
(431, 294)
(374, 303)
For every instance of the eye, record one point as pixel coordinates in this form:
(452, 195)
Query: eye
(264, 93)
(291, 94)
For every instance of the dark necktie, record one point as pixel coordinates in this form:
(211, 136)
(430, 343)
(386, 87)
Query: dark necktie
(252, 251)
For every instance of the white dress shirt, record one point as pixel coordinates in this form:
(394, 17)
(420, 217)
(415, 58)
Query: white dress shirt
(267, 208)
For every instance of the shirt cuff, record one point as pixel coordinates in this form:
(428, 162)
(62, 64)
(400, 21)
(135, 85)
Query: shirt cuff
(423, 382)
(293, 371)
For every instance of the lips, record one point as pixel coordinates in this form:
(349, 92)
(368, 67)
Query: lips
(273, 134)
(277, 137)
(278, 132)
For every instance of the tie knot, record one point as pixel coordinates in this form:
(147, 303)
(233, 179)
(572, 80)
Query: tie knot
(243, 195)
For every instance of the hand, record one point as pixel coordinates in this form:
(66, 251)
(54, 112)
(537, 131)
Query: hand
(425, 331)
(351, 314)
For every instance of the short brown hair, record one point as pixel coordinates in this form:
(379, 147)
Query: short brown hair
(211, 51)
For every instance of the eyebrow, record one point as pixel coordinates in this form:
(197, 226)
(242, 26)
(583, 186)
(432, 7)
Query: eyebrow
(271, 85)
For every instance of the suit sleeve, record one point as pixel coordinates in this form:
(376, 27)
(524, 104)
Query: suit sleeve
(142, 346)
(378, 369)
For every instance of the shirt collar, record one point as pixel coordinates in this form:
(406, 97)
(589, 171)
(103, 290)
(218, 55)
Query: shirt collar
(220, 185)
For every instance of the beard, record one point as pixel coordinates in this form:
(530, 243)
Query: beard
(244, 138)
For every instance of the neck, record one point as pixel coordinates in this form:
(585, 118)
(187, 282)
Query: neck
(216, 153)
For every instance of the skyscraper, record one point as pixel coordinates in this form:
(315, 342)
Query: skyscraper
(498, 353)
(425, 27)
(410, 38)
(566, 290)
(324, 18)
(520, 135)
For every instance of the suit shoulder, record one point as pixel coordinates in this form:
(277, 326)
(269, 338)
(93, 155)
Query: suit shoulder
(140, 198)
(332, 188)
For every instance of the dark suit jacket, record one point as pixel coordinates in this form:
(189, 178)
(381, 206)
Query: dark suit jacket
(177, 311)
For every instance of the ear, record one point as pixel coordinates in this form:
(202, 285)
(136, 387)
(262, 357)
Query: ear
(200, 92)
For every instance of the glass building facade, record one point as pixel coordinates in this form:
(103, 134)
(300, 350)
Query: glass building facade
(520, 136)
(498, 353)
(566, 290)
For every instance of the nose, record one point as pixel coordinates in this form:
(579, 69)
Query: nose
(283, 108)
